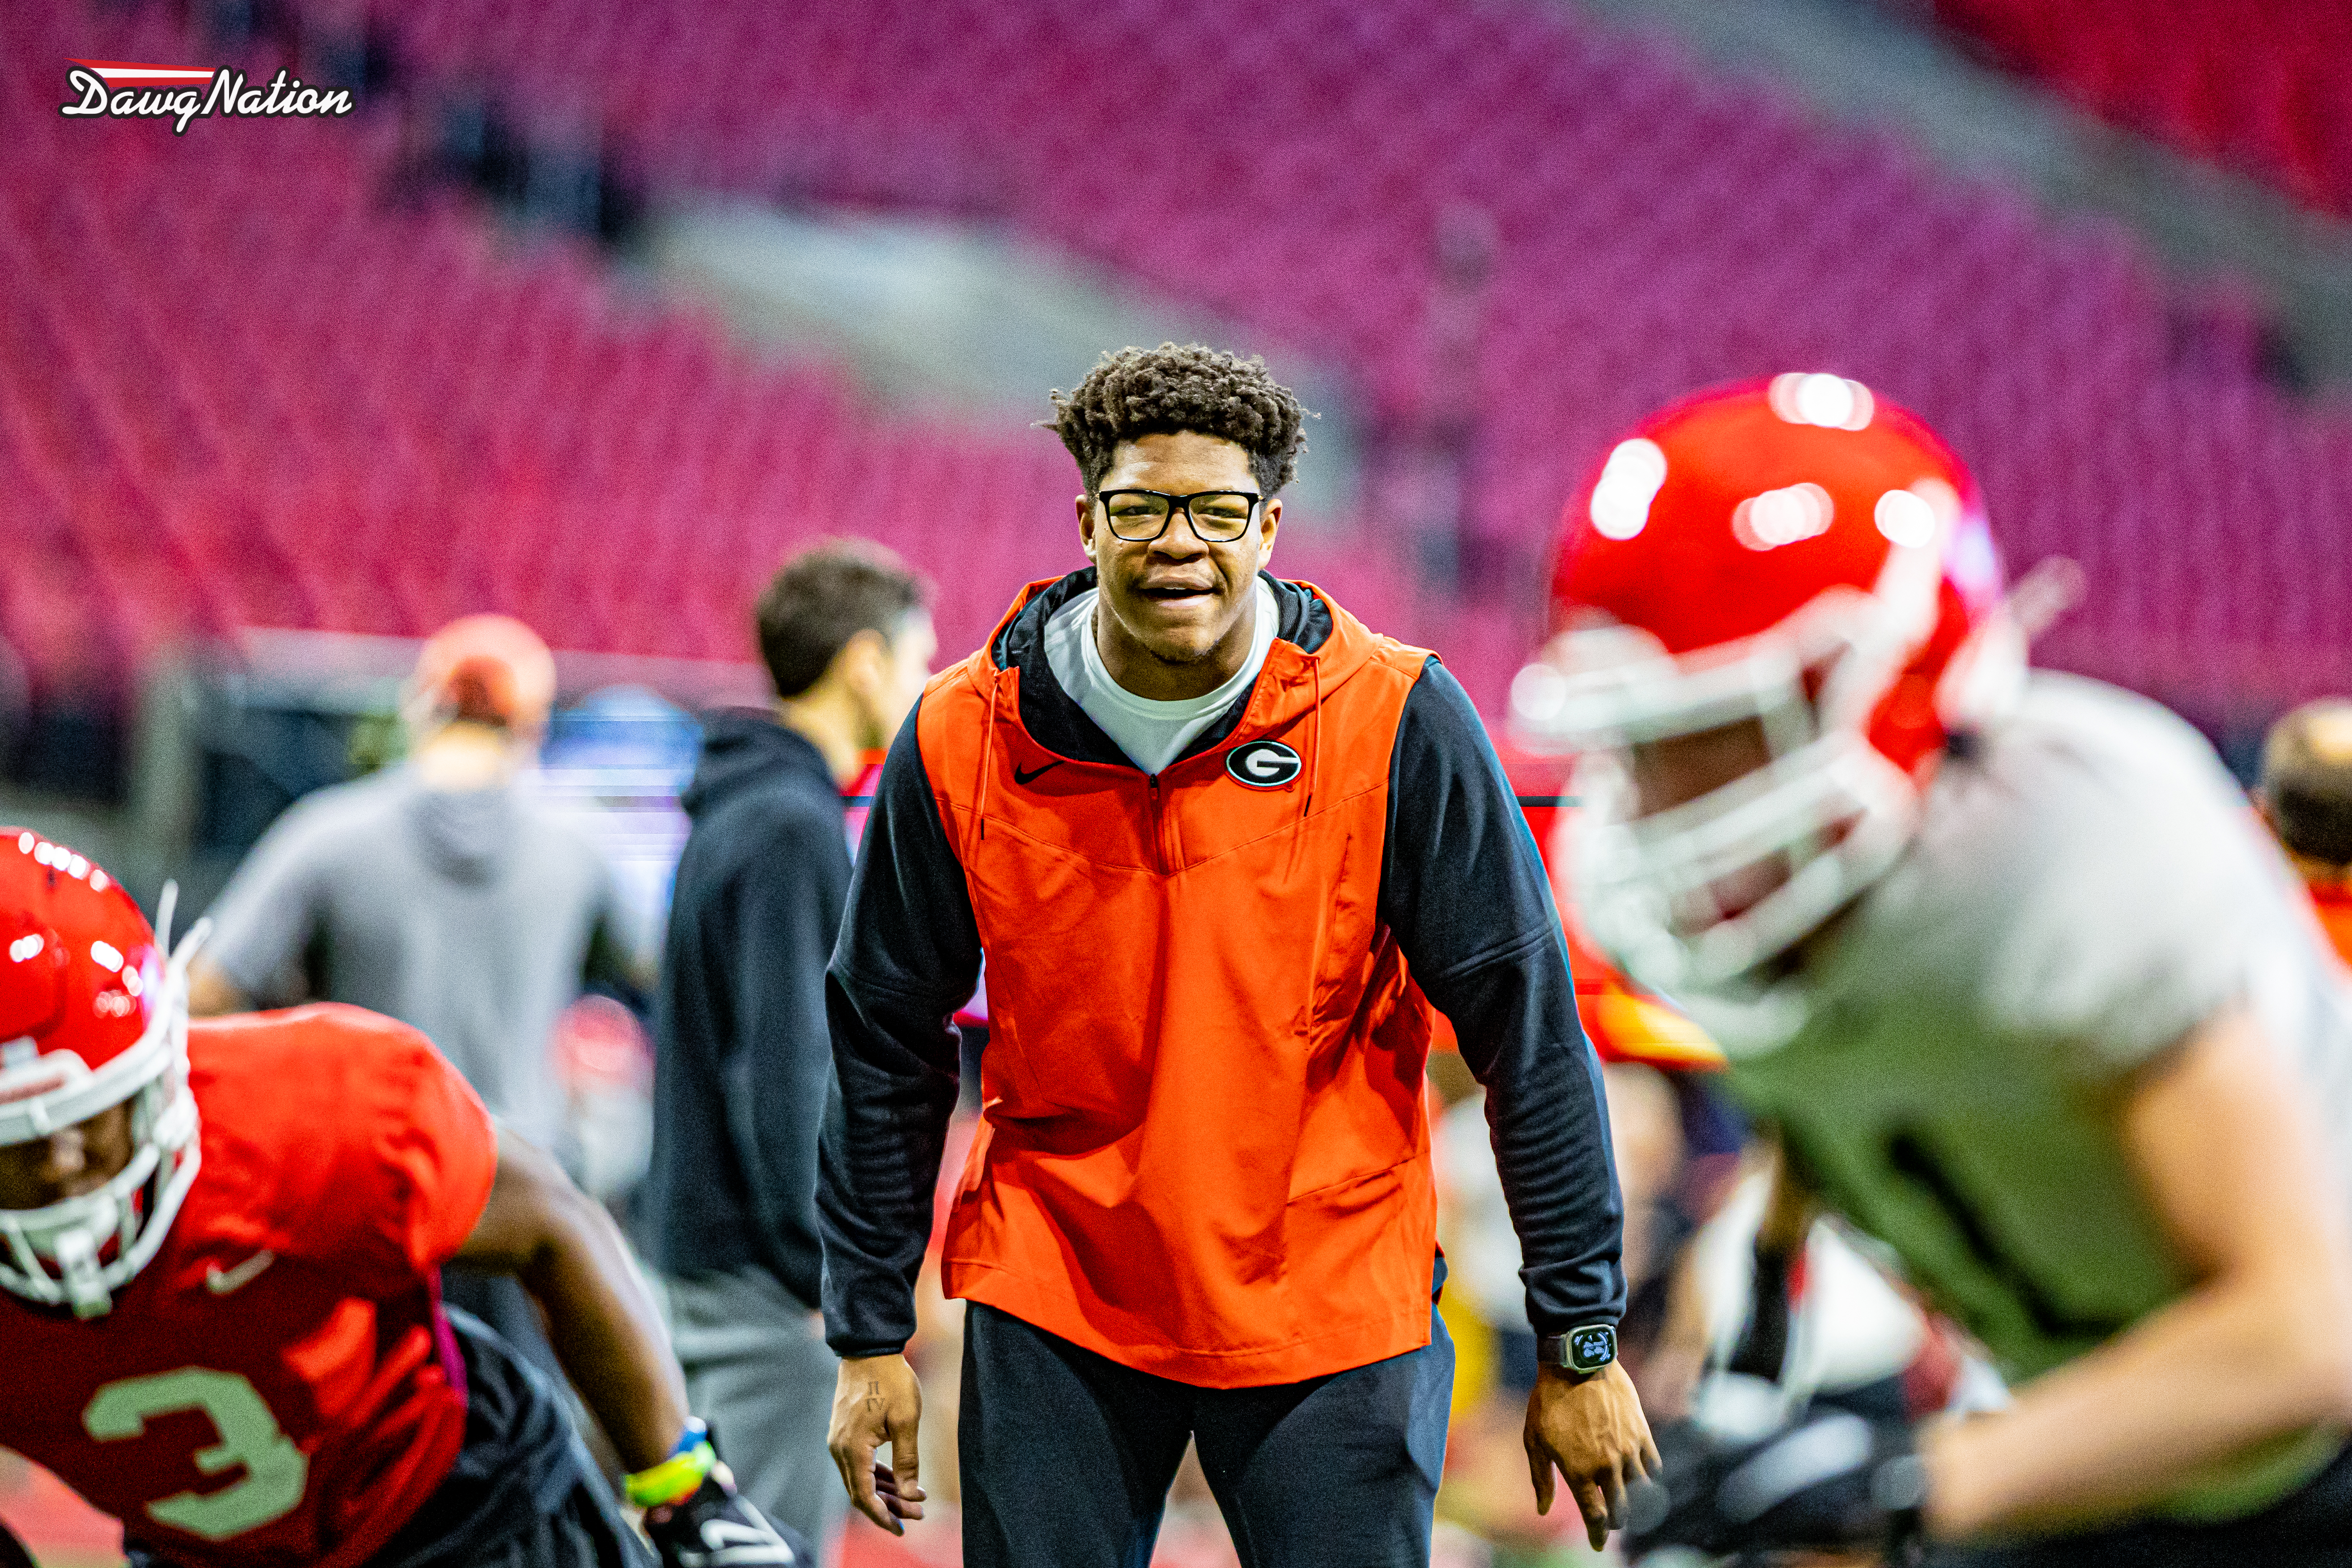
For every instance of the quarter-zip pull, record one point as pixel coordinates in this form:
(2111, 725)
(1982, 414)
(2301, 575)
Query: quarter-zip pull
(1159, 828)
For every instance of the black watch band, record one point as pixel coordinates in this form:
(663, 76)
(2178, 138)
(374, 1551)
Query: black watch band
(1583, 1350)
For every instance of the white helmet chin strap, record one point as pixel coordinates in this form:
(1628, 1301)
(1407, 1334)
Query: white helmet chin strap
(56, 1255)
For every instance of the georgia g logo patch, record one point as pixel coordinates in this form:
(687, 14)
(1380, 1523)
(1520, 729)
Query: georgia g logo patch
(1262, 764)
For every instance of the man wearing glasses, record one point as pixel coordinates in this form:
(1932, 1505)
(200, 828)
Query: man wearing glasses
(1222, 847)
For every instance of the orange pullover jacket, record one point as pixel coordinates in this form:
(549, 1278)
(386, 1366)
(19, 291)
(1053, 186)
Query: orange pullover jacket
(1203, 1153)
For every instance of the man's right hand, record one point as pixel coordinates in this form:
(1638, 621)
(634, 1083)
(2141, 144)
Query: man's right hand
(878, 1400)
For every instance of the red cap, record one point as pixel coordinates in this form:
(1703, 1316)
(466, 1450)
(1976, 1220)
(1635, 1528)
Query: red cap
(491, 670)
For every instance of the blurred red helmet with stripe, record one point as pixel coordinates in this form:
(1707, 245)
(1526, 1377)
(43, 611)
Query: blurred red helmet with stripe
(93, 1014)
(1797, 555)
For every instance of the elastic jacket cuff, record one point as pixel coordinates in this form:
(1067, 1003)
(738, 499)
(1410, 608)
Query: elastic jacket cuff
(852, 1350)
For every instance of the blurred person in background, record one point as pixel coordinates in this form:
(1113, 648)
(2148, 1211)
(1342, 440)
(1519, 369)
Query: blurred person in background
(743, 1054)
(1208, 830)
(2007, 969)
(442, 893)
(2306, 798)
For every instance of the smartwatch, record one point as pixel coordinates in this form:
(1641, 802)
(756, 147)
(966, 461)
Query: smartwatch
(1583, 1350)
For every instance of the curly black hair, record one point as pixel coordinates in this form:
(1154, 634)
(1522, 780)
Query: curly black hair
(1149, 392)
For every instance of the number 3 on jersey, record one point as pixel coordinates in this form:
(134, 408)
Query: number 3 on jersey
(275, 1470)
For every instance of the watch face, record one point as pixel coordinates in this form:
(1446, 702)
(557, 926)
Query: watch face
(1590, 1349)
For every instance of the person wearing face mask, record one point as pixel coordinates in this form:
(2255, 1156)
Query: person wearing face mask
(741, 1055)
(1226, 852)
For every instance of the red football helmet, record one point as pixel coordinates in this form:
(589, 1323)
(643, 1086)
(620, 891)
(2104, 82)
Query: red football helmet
(1793, 554)
(92, 1015)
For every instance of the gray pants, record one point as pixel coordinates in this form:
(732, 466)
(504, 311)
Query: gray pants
(758, 1371)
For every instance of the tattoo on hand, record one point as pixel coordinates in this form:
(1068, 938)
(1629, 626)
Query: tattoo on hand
(874, 1395)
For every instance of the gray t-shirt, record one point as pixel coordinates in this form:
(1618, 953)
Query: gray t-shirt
(471, 916)
(1152, 734)
(2084, 890)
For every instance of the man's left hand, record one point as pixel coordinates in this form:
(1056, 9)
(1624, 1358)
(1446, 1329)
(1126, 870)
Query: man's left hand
(1594, 1434)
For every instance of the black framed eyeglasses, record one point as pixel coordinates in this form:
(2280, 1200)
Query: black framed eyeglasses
(1218, 517)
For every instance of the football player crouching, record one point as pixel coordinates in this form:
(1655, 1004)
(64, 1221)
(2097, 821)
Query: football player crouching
(2005, 963)
(221, 1245)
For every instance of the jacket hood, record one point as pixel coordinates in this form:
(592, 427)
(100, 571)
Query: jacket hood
(465, 833)
(1316, 645)
(744, 747)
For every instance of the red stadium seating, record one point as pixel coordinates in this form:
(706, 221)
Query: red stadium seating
(2265, 85)
(235, 392)
(238, 388)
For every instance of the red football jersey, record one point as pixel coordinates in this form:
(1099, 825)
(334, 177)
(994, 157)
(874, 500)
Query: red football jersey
(279, 1385)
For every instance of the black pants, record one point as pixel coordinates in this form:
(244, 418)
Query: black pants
(2308, 1529)
(499, 1303)
(1067, 1455)
(522, 1493)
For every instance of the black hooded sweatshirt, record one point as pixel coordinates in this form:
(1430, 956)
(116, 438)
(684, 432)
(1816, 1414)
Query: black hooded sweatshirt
(741, 1053)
